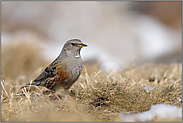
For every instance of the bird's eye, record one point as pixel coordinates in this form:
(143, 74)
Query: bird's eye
(73, 44)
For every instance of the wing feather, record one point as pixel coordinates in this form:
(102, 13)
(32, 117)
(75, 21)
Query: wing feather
(48, 72)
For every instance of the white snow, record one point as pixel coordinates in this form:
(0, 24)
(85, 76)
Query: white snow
(159, 111)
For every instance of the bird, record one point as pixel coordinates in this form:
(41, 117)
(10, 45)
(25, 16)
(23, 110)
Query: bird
(64, 71)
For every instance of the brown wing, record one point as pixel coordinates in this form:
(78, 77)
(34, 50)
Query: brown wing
(48, 72)
(39, 81)
(60, 79)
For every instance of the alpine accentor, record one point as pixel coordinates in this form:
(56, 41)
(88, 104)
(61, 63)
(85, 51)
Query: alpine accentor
(64, 70)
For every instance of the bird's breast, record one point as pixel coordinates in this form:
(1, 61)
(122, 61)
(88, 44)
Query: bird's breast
(75, 68)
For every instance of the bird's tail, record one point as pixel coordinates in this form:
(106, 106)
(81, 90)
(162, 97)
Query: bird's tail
(32, 83)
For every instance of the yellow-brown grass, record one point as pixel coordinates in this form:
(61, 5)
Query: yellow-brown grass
(96, 96)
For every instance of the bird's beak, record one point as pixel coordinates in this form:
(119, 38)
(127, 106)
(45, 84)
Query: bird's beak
(82, 45)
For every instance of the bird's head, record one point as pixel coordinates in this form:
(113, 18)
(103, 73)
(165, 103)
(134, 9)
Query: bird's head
(73, 47)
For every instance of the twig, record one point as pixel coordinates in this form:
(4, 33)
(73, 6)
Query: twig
(27, 94)
(2, 83)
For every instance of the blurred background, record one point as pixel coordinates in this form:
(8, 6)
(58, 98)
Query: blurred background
(118, 34)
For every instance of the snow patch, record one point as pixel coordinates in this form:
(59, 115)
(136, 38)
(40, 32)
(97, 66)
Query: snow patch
(159, 111)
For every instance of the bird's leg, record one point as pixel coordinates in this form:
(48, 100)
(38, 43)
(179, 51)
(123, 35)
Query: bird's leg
(56, 96)
(69, 96)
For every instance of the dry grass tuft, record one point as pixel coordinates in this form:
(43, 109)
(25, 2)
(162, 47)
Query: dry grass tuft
(96, 96)
(21, 62)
